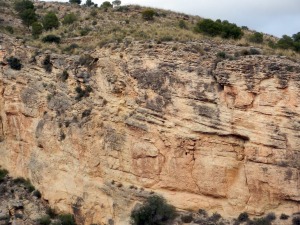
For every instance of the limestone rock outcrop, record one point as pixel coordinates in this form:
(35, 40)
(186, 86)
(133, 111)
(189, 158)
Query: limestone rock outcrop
(222, 135)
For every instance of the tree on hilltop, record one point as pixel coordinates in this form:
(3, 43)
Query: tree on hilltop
(116, 3)
(89, 3)
(75, 1)
(105, 5)
(50, 21)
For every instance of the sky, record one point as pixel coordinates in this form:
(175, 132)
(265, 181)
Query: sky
(276, 17)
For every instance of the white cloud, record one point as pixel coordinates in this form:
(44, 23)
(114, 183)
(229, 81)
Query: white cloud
(276, 17)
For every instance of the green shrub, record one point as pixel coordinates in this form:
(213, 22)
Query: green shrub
(254, 51)
(26, 11)
(219, 28)
(202, 212)
(231, 30)
(116, 3)
(284, 216)
(37, 194)
(37, 29)
(14, 63)
(64, 76)
(257, 37)
(28, 17)
(67, 219)
(69, 18)
(285, 42)
(45, 220)
(243, 217)
(51, 39)
(26, 182)
(105, 5)
(182, 24)
(50, 21)
(71, 47)
(51, 212)
(93, 13)
(22, 5)
(47, 64)
(9, 29)
(166, 39)
(270, 216)
(215, 217)
(75, 1)
(89, 3)
(296, 220)
(221, 55)
(261, 221)
(148, 14)
(3, 173)
(85, 60)
(82, 92)
(154, 211)
(85, 31)
(187, 218)
(208, 26)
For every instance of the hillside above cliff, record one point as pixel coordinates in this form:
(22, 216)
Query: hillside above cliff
(122, 108)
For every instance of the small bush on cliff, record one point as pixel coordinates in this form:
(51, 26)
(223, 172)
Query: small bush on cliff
(50, 21)
(284, 216)
(155, 211)
(271, 217)
(67, 219)
(296, 220)
(51, 39)
(26, 182)
(219, 28)
(69, 18)
(257, 37)
(3, 174)
(243, 217)
(14, 63)
(47, 64)
(37, 29)
(45, 220)
(148, 14)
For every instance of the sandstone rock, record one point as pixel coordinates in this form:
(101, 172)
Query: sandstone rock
(204, 134)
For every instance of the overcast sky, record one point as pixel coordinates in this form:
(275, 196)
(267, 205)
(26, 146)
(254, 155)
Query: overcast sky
(275, 17)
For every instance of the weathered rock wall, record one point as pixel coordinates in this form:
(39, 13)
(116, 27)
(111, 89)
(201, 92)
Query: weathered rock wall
(205, 133)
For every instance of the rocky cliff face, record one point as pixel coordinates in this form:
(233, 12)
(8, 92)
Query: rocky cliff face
(133, 118)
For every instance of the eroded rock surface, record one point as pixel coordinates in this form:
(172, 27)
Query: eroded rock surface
(204, 133)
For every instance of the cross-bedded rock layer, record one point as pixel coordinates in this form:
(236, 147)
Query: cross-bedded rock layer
(139, 117)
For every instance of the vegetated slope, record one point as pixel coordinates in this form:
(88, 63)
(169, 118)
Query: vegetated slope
(206, 123)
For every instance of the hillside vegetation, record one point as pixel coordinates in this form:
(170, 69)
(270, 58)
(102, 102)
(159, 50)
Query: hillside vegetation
(75, 28)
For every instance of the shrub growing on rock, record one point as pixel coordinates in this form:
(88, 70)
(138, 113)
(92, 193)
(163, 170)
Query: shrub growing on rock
(271, 216)
(26, 182)
(153, 212)
(44, 220)
(69, 18)
(51, 39)
(284, 216)
(296, 220)
(50, 21)
(148, 14)
(75, 1)
(219, 28)
(47, 64)
(3, 174)
(257, 37)
(243, 217)
(105, 5)
(37, 29)
(14, 63)
(67, 219)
